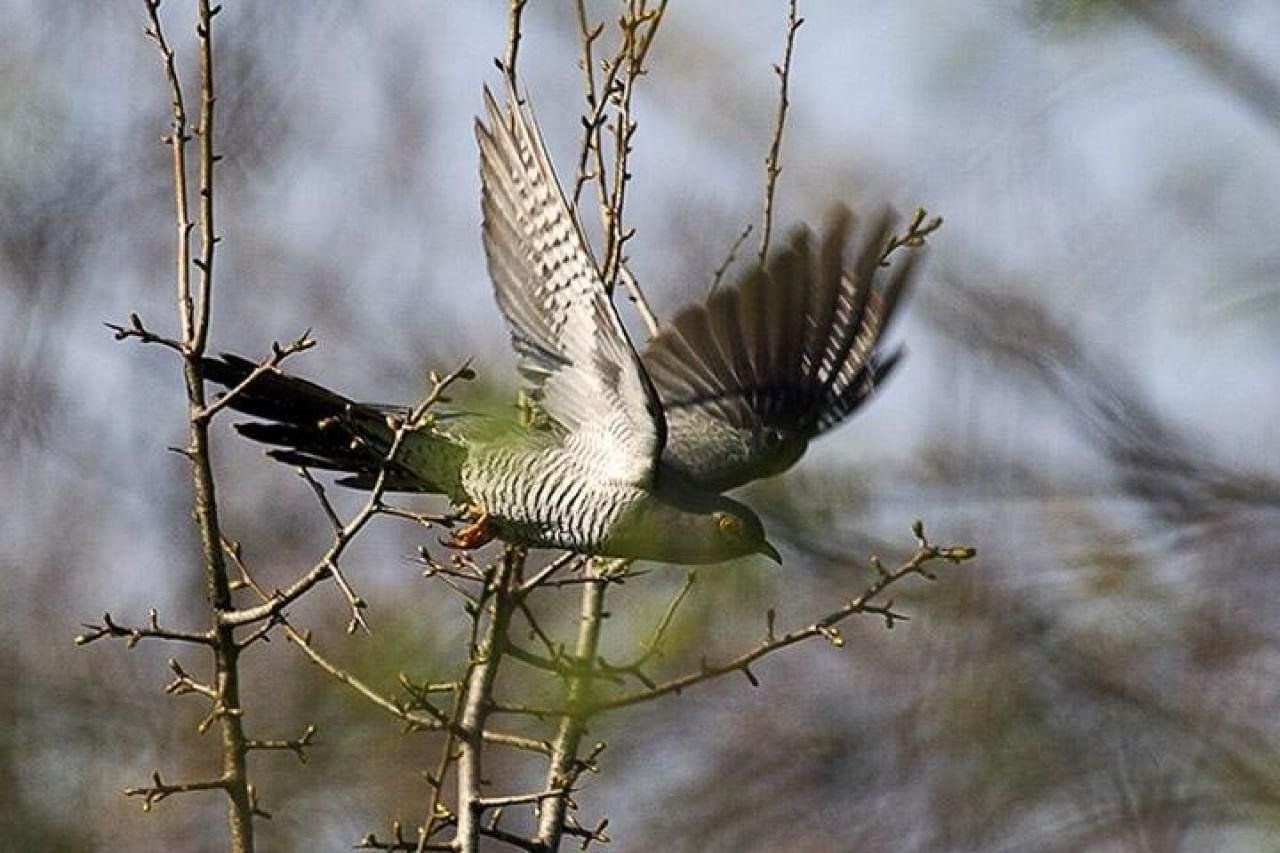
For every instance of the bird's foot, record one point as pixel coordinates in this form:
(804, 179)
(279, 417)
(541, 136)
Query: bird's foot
(475, 535)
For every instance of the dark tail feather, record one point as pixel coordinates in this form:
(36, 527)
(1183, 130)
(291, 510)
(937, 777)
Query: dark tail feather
(313, 427)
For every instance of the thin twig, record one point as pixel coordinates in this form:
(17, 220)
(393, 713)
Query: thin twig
(298, 746)
(176, 139)
(772, 163)
(424, 519)
(160, 790)
(134, 634)
(914, 237)
(653, 646)
(208, 237)
(417, 722)
(597, 110)
(637, 297)
(522, 799)
(184, 684)
(278, 354)
(824, 627)
(548, 571)
(135, 329)
(639, 27)
(508, 63)
(718, 276)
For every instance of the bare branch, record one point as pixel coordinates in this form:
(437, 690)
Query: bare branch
(772, 163)
(135, 634)
(298, 746)
(548, 571)
(161, 790)
(177, 140)
(486, 655)
(193, 317)
(653, 646)
(522, 799)
(597, 111)
(278, 354)
(639, 26)
(508, 63)
(135, 329)
(561, 770)
(208, 239)
(398, 841)
(636, 295)
(824, 627)
(184, 684)
(918, 231)
(424, 519)
(302, 640)
(718, 276)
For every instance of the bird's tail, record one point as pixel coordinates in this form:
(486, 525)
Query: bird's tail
(313, 427)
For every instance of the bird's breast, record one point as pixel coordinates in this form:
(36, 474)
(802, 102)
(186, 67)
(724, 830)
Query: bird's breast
(546, 496)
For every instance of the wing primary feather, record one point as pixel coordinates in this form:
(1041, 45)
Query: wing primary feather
(759, 368)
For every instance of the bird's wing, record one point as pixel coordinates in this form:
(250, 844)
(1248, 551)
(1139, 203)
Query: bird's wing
(748, 376)
(587, 374)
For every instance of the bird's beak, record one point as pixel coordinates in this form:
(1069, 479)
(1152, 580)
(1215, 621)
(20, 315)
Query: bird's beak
(770, 552)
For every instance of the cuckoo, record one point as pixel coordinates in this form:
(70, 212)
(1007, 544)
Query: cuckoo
(633, 449)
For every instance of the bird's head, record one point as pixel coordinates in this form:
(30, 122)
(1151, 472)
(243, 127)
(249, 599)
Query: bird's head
(690, 531)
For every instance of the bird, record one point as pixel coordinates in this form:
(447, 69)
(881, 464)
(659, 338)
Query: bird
(633, 448)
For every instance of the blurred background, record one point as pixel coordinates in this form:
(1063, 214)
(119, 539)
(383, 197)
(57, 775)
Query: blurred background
(1090, 398)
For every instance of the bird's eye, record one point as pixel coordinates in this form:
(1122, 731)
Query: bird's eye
(729, 524)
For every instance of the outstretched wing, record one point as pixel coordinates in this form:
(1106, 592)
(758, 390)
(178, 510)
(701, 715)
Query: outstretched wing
(587, 374)
(754, 372)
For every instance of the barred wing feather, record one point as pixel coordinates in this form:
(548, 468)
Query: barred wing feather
(584, 369)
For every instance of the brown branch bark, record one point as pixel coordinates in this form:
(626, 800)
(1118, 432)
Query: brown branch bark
(227, 653)
(562, 769)
(772, 163)
(193, 317)
(478, 695)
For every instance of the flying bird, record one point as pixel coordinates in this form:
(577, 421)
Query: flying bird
(634, 448)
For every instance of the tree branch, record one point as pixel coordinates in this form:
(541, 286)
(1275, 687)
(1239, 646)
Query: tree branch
(133, 634)
(278, 354)
(478, 692)
(508, 63)
(772, 164)
(720, 271)
(298, 746)
(824, 627)
(160, 790)
(193, 320)
(561, 771)
(639, 26)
